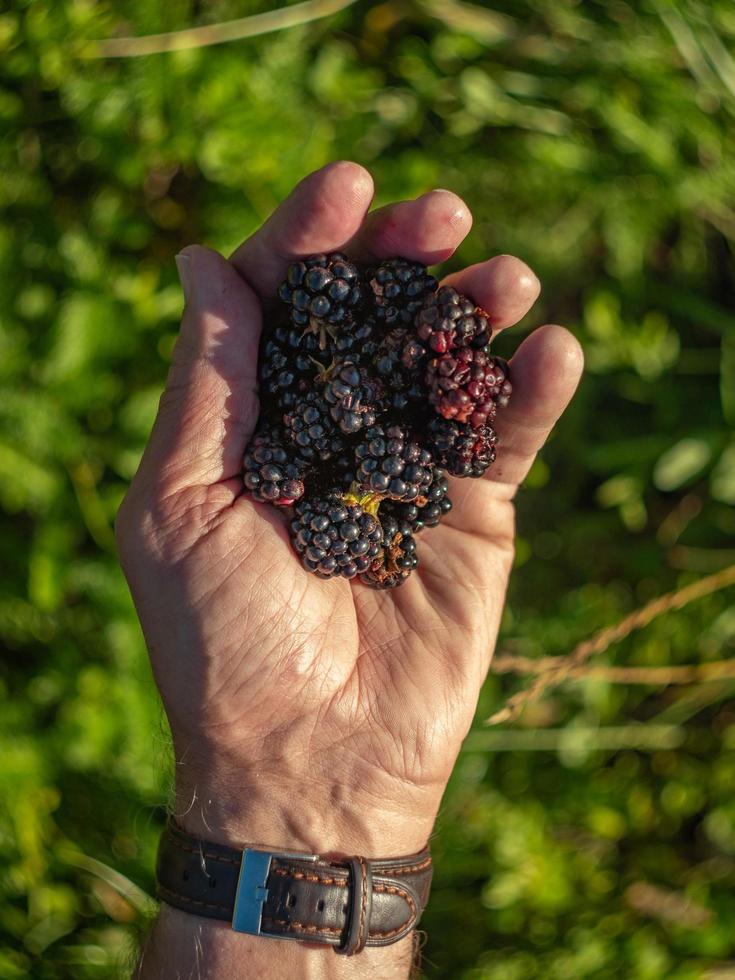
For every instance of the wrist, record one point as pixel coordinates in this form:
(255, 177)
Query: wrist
(249, 804)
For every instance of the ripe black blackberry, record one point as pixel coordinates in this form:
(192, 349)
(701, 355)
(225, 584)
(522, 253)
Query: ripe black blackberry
(336, 535)
(289, 361)
(309, 427)
(400, 363)
(270, 471)
(360, 344)
(460, 449)
(399, 357)
(392, 464)
(448, 320)
(397, 558)
(399, 288)
(322, 290)
(353, 396)
(427, 511)
(468, 385)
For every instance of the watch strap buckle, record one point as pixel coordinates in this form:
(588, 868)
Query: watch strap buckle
(252, 887)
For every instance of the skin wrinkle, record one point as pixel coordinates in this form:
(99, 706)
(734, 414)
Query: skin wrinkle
(494, 516)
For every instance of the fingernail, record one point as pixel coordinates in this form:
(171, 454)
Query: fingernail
(183, 265)
(441, 190)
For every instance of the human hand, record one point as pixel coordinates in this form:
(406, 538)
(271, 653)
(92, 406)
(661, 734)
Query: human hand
(311, 714)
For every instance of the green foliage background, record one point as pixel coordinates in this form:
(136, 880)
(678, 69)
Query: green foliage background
(593, 139)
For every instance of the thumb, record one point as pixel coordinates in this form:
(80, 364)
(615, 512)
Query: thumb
(209, 408)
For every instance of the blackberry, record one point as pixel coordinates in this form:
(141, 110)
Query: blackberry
(397, 558)
(399, 288)
(399, 363)
(352, 395)
(391, 464)
(322, 289)
(459, 449)
(270, 472)
(427, 511)
(399, 357)
(289, 362)
(360, 344)
(468, 385)
(310, 428)
(336, 535)
(448, 320)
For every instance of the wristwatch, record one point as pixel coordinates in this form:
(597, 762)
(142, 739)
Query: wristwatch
(347, 904)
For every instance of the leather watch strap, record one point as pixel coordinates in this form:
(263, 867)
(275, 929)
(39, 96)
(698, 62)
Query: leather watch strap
(346, 904)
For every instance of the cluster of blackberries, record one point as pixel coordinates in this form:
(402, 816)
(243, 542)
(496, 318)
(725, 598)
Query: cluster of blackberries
(375, 384)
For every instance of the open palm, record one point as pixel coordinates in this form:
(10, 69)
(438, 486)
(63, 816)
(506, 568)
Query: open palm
(352, 702)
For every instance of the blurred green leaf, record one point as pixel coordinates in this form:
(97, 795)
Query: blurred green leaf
(681, 463)
(593, 140)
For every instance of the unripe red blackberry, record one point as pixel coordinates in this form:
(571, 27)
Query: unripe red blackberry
(461, 450)
(309, 427)
(399, 288)
(353, 396)
(270, 471)
(335, 535)
(322, 289)
(468, 385)
(392, 464)
(448, 320)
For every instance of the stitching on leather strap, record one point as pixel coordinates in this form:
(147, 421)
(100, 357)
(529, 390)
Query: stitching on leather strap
(395, 890)
(408, 898)
(304, 876)
(206, 854)
(319, 930)
(400, 869)
(302, 927)
(190, 901)
(179, 839)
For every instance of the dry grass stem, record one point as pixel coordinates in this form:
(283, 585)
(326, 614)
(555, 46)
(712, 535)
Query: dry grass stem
(555, 670)
(209, 34)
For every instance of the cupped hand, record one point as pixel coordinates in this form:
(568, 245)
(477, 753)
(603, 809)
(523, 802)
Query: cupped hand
(307, 713)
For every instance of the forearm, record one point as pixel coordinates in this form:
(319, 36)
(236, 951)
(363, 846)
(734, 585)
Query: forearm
(183, 946)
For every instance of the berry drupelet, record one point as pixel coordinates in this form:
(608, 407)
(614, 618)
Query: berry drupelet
(270, 471)
(400, 364)
(310, 429)
(468, 385)
(448, 320)
(335, 535)
(461, 450)
(352, 395)
(359, 345)
(399, 288)
(427, 511)
(322, 289)
(289, 362)
(390, 463)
